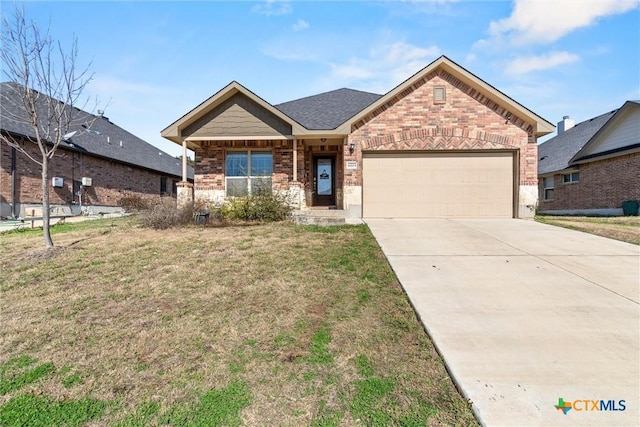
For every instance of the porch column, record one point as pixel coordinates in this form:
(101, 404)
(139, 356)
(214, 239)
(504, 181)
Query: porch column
(295, 159)
(184, 161)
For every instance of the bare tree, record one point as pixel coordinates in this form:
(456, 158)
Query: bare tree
(47, 87)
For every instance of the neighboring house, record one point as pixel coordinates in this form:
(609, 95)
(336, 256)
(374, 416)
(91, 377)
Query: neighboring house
(592, 167)
(443, 143)
(95, 167)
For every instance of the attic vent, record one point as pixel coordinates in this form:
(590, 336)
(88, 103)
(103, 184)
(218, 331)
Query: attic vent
(439, 95)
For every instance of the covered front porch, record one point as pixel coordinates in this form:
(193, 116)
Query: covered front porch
(309, 172)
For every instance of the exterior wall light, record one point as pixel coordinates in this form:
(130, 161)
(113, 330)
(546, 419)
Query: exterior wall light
(352, 148)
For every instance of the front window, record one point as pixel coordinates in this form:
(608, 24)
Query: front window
(248, 172)
(547, 184)
(571, 177)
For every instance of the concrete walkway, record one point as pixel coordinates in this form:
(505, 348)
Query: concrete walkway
(524, 314)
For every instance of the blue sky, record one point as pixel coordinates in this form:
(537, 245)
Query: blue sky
(154, 61)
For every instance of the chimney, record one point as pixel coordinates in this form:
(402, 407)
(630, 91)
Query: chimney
(566, 124)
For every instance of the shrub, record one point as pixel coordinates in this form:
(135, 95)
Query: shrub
(166, 214)
(264, 206)
(134, 203)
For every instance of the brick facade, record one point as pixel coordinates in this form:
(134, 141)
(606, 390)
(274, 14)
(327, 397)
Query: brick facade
(111, 180)
(414, 117)
(466, 120)
(210, 162)
(210, 159)
(603, 184)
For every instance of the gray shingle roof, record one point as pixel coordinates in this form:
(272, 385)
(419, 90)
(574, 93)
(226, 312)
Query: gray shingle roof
(94, 135)
(327, 110)
(554, 155)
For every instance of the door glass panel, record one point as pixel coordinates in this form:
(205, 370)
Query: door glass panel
(325, 177)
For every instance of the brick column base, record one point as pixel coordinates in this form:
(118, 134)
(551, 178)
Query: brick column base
(184, 194)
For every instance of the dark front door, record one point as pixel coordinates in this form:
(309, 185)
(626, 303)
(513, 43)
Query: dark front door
(324, 188)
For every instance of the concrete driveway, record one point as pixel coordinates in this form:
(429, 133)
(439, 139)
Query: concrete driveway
(525, 314)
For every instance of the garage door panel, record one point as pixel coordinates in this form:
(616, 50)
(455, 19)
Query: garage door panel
(415, 185)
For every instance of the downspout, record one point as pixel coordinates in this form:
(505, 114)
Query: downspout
(13, 182)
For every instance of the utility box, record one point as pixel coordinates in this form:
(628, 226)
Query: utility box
(86, 181)
(631, 207)
(57, 181)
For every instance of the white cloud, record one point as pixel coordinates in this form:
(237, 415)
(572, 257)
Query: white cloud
(384, 67)
(545, 21)
(527, 64)
(300, 25)
(272, 8)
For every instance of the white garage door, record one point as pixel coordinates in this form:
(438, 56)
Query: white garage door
(422, 185)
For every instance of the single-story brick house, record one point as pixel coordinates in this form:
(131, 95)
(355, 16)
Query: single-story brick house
(443, 143)
(97, 165)
(592, 167)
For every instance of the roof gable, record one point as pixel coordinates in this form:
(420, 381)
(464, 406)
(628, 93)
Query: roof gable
(459, 77)
(556, 153)
(237, 116)
(175, 131)
(618, 134)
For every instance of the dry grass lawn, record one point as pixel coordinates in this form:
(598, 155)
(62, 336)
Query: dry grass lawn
(283, 325)
(624, 228)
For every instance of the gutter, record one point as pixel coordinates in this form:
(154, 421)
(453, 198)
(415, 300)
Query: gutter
(13, 182)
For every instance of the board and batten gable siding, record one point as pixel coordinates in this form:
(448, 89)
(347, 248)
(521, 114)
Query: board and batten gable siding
(238, 116)
(624, 132)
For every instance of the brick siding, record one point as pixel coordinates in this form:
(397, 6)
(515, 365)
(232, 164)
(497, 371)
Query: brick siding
(467, 120)
(604, 184)
(210, 162)
(110, 180)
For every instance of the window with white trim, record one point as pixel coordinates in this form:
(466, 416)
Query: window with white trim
(547, 185)
(568, 178)
(248, 172)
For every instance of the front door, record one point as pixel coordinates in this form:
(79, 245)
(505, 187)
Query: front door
(324, 191)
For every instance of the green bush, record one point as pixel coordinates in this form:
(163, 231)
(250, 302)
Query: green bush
(263, 206)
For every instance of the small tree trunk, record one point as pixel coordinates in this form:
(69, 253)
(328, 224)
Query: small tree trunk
(45, 203)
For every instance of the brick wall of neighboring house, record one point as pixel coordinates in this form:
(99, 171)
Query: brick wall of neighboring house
(111, 180)
(465, 120)
(603, 184)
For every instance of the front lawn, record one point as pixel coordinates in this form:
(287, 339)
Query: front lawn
(624, 228)
(257, 325)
